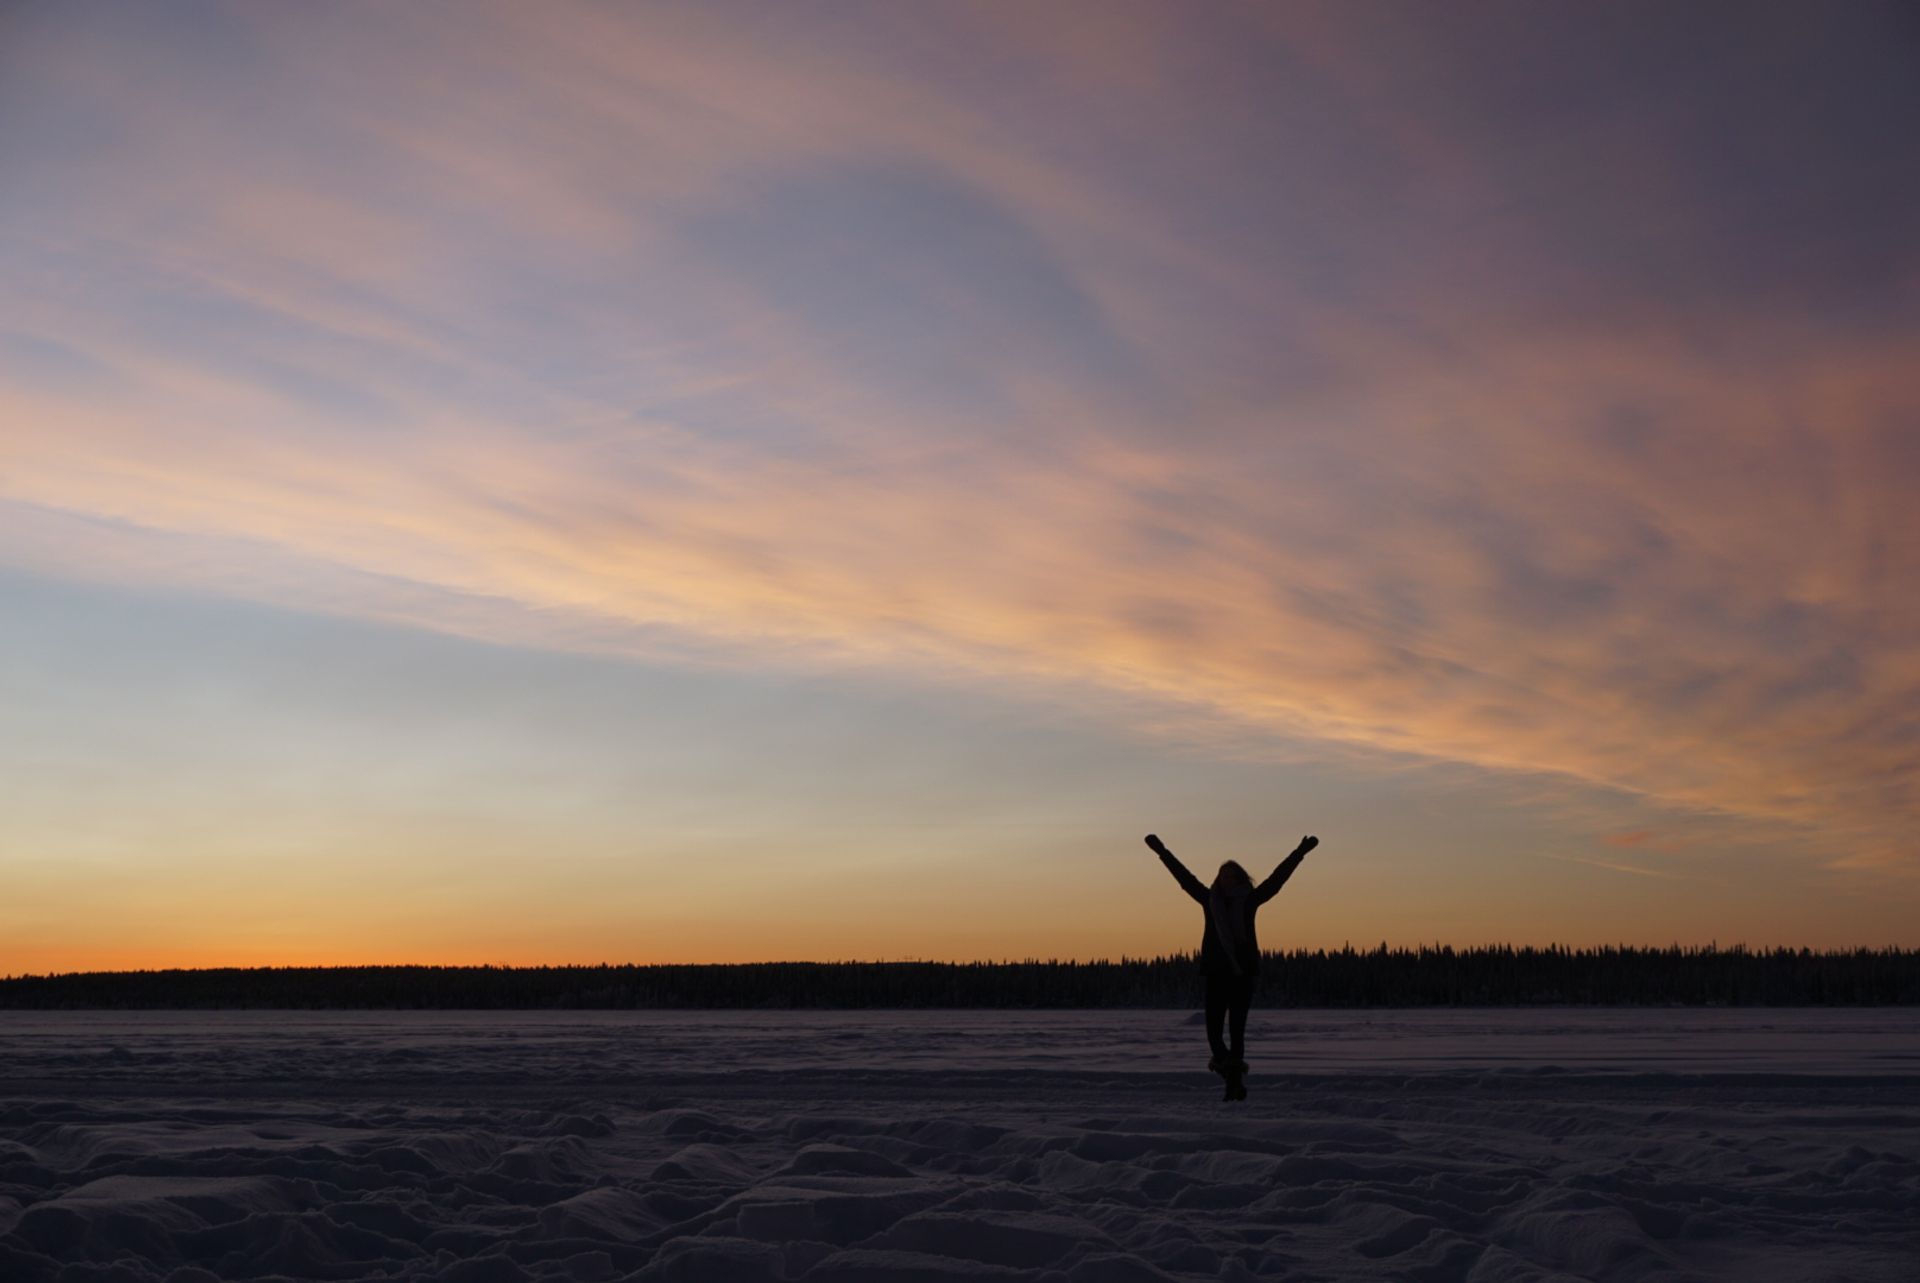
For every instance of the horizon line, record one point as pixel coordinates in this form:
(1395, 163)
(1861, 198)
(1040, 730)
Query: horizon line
(1712, 946)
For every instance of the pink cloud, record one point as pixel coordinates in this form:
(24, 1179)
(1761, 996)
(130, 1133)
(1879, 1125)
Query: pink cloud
(1602, 549)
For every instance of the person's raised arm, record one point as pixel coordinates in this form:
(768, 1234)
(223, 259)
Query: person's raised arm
(1188, 883)
(1278, 878)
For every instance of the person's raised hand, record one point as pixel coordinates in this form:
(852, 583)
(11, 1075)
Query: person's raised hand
(1307, 844)
(1155, 844)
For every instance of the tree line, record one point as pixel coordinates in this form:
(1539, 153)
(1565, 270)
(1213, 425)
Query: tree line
(1427, 976)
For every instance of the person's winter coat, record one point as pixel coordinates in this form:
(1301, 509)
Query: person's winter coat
(1230, 945)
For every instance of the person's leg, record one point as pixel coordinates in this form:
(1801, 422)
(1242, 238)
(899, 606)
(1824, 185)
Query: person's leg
(1218, 1000)
(1241, 999)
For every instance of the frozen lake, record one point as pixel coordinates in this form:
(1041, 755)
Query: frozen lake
(1069, 1147)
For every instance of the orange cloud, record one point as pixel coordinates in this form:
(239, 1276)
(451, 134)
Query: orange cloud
(528, 351)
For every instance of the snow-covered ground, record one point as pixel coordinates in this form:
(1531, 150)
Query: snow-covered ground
(1075, 1147)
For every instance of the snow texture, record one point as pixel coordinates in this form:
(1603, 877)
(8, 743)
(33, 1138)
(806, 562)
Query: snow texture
(1075, 1147)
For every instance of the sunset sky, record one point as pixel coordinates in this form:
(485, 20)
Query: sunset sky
(537, 482)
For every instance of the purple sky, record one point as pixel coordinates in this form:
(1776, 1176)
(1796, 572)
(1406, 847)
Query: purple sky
(732, 481)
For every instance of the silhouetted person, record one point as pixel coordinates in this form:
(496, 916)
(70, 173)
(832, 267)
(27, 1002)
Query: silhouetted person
(1230, 951)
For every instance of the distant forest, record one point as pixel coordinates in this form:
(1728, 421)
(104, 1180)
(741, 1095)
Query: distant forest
(1492, 976)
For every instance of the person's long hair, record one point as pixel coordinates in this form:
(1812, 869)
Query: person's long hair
(1232, 877)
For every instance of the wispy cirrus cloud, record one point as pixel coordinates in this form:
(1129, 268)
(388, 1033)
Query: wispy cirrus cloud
(1615, 866)
(670, 336)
